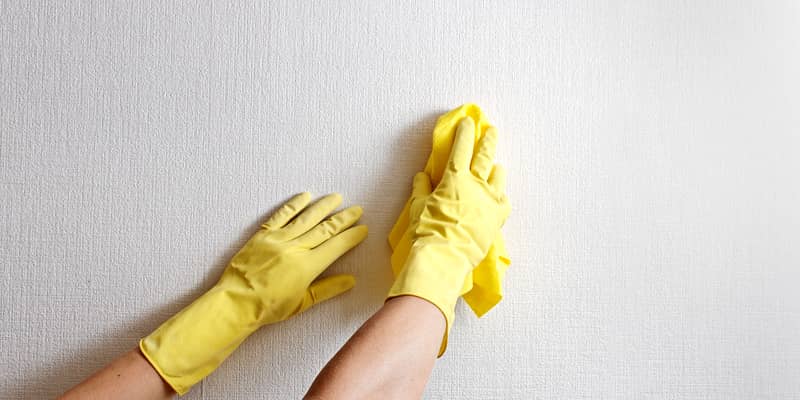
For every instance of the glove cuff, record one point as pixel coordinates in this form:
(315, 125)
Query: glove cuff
(436, 272)
(195, 341)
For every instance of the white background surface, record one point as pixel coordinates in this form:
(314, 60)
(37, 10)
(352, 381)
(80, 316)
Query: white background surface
(653, 155)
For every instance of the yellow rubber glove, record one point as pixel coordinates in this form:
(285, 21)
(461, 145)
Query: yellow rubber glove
(270, 279)
(455, 224)
(483, 287)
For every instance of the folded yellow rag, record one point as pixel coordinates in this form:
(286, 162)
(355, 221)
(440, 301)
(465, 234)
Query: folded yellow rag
(482, 288)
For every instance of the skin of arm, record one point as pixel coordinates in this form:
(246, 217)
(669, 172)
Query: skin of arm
(410, 327)
(406, 332)
(129, 377)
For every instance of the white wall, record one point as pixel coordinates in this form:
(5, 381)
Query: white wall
(653, 152)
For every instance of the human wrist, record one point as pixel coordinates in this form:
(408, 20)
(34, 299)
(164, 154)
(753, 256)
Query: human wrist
(421, 309)
(436, 270)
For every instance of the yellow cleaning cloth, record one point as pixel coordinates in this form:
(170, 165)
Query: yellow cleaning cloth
(482, 288)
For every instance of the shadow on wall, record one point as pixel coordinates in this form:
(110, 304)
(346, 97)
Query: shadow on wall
(60, 374)
(53, 379)
(409, 149)
(407, 155)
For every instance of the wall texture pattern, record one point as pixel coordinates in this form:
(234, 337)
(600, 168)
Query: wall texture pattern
(653, 150)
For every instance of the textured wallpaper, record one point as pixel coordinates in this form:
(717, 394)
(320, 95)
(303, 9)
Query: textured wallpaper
(652, 150)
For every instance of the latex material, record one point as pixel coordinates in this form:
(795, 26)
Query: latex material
(452, 229)
(482, 287)
(270, 279)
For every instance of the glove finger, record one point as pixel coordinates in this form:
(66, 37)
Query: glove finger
(463, 143)
(422, 185)
(311, 216)
(498, 178)
(327, 288)
(287, 211)
(333, 248)
(484, 158)
(330, 227)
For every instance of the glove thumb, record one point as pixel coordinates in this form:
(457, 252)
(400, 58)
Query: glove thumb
(325, 288)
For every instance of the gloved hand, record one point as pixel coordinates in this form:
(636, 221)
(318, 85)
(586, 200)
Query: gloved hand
(270, 279)
(454, 225)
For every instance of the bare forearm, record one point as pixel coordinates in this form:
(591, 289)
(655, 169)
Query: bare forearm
(389, 357)
(129, 377)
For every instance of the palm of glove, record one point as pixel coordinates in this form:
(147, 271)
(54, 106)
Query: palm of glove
(271, 279)
(468, 206)
(466, 211)
(278, 265)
